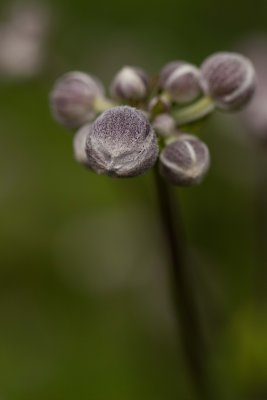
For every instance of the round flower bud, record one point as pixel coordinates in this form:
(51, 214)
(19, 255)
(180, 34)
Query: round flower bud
(254, 117)
(79, 143)
(130, 83)
(164, 125)
(185, 161)
(121, 143)
(229, 78)
(181, 80)
(73, 97)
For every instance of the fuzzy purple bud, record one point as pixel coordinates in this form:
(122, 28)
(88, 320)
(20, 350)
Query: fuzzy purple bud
(229, 78)
(72, 99)
(185, 161)
(164, 125)
(254, 117)
(121, 143)
(79, 144)
(130, 83)
(182, 81)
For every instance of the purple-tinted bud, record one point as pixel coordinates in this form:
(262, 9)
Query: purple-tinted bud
(254, 117)
(121, 143)
(130, 83)
(185, 161)
(79, 144)
(72, 99)
(181, 80)
(164, 125)
(229, 78)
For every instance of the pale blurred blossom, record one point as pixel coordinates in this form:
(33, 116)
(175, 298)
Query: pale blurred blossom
(23, 36)
(254, 116)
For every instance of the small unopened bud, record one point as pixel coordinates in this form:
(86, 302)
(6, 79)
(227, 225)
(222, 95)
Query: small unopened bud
(164, 125)
(229, 78)
(121, 143)
(181, 80)
(185, 161)
(79, 143)
(72, 99)
(130, 83)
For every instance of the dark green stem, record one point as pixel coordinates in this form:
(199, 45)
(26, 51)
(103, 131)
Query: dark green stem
(184, 300)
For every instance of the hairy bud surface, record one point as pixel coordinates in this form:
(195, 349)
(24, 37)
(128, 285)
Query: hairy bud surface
(130, 83)
(121, 143)
(185, 161)
(181, 80)
(229, 78)
(72, 99)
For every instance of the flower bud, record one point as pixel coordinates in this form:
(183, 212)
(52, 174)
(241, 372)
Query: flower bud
(72, 99)
(181, 80)
(164, 125)
(130, 83)
(185, 161)
(79, 143)
(254, 117)
(229, 78)
(121, 143)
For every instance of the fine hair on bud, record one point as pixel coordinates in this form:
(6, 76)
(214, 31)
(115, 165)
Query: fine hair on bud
(229, 78)
(182, 81)
(130, 83)
(72, 99)
(121, 143)
(79, 144)
(185, 161)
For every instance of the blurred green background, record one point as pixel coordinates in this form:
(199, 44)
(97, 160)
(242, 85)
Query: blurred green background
(85, 310)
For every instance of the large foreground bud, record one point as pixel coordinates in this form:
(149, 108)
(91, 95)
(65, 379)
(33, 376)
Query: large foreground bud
(121, 143)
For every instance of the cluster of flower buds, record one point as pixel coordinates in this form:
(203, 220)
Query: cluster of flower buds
(144, 120)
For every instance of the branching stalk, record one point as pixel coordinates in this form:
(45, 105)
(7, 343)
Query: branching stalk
(183, 296)
(196, 111)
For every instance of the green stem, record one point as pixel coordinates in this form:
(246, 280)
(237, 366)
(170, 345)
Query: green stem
(101, 104)
(194, 112)
(187, 314)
